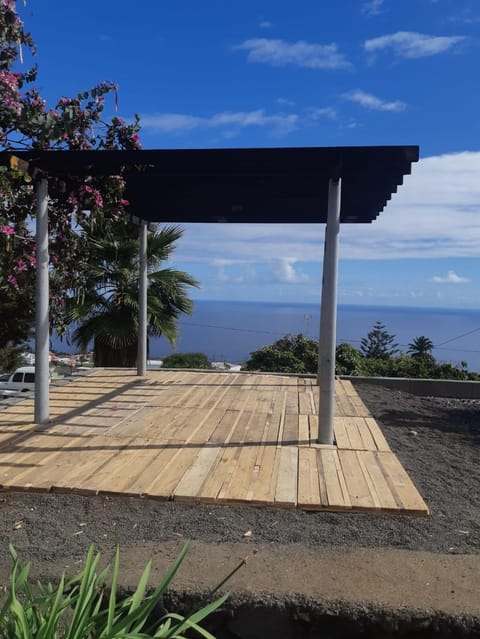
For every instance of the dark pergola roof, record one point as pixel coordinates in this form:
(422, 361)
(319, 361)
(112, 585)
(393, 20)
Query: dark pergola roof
(267, 185)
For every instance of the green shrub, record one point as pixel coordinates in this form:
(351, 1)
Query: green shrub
(290, 354)
(348, 360)
(81, 608)
(186, 360)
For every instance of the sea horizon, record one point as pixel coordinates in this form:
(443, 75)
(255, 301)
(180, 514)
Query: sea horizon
(229, 330)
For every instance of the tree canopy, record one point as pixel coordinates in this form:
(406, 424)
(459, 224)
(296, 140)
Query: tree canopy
(289, 354)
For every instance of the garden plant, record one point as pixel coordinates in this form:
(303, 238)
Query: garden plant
(88, 606)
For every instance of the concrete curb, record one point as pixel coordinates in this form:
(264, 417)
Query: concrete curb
(424, 387)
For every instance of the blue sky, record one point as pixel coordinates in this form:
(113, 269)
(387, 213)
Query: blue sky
(306, 73)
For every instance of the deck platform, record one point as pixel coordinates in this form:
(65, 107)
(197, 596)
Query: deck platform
(214, 437)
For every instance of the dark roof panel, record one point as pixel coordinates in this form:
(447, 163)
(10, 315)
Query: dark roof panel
(266, 185)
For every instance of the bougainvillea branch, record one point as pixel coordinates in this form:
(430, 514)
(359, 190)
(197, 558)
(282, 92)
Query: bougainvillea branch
(73, 123)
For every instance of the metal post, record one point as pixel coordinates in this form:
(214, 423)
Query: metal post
(42, 325)
(142, 302)
(328, 317)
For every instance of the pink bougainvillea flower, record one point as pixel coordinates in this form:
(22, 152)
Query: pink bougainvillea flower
(21, 265)
(8, 230)
(12, 280)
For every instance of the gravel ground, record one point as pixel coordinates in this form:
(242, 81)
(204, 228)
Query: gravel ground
(441, 458)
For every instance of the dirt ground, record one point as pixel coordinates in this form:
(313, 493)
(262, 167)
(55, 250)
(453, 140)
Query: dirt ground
(430, 563)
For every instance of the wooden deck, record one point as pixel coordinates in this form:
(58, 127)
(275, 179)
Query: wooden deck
(211, 437)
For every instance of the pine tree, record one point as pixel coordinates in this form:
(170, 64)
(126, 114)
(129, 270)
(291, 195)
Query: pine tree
(379, 343)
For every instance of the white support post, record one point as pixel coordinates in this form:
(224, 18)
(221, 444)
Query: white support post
(142, 302)
(42, 325)
(328, 316)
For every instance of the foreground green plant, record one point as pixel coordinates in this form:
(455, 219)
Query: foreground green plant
(81, 608)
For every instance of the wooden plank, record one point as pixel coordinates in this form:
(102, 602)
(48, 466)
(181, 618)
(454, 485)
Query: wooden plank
(303, 430)
(237, 440)
(215, 481)
(313, 428)
(169, 476)
(353, 434)
(266, 475)
(286, 491)
(265, 486)
(401, 485)
(331, 473)
(150, 468)
(308, 480)
(358, 488)
(291, 405)
(57, 466)
(225, 427)
(347, 387)
(107, 477)
(341, 438)
(88, 462)
(380, 441)
(191, 484)
(243, 478)
(290, 429)
(371, 466)
(141, 455)
(365, 434)
(26, 467)
(305, 403)
(270, 425)
(360, 409)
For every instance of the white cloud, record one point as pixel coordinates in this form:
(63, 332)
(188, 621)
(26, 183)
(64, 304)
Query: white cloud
(373, 7)
(179, 123)
(450, 278)
(284, 271)
(322, 112)
(285, 102)
(230, 123)
(301, 54)
(265, 24)
(370, 101)
(410, 45)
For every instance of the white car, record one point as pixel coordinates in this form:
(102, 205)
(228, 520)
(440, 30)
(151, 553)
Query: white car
(21, 381)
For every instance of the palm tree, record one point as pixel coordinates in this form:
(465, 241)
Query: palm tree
(421, 347)
(104, 306)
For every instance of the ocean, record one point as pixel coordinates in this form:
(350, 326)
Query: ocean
(230, 331)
